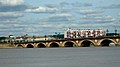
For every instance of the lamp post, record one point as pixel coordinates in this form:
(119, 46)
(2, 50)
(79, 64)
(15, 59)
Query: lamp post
(115, 32)
(45, 37)
(107, 30)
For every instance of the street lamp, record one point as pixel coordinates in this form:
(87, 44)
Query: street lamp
(115, 32)
(45, 37)
(107, 30)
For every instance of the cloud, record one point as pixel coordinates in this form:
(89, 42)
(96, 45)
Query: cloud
(14, 8)
(15, 27)
(11, 2)
(57, 19)
(118, 14)
(113, 6)
(11, 23)
(78, 4)
(43, 10)
(64, 4)
(64, 17)
(13, 5)
(8, 16)
(52, 5)
(96, 18)
(91, 16)
(89, 11)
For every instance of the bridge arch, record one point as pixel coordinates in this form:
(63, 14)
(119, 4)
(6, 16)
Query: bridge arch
(69, 44)
(41, 45)
(107, 42)
(29, 46)
(19, 46)
(86, 43)
(54, 44)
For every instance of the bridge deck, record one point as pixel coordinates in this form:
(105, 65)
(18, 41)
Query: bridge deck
(69, 39)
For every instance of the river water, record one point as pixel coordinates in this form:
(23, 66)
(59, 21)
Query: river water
(61, 57)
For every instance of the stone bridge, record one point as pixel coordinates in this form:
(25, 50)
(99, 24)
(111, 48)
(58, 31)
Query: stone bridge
(78, 42)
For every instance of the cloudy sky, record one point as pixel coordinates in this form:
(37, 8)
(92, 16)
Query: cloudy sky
(45, 17)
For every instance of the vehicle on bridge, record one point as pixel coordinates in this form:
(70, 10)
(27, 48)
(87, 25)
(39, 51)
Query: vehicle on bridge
(84, 33)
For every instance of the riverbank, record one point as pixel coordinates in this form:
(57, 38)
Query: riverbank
(6, 45)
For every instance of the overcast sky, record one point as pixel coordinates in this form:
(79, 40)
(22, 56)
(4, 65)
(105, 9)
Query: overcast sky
(45, 17)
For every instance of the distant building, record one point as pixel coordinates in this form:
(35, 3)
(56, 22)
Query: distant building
(84, 33)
